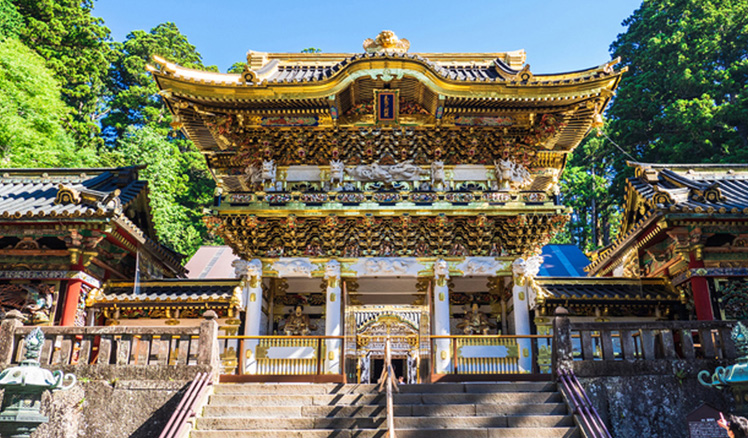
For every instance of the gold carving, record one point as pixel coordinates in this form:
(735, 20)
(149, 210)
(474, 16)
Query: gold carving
(386, 41)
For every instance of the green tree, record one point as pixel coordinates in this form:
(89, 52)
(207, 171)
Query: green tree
(585, 188)
(31, 112)
(237, 67)
(170, 181)
(135, 94)
(685, 96)
(180, 182)
(10, 20)
(75, 45)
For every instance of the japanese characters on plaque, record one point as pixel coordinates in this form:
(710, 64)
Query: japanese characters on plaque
(386, 105)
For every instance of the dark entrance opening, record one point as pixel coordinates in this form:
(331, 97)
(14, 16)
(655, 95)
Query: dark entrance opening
(398, 365)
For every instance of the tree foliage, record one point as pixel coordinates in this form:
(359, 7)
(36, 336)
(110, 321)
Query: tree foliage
(31, 114)
(173, 193)
(585, 188)
(75, 45)
(10, 20)
(135, 94)
(138, 129)
(685, 96)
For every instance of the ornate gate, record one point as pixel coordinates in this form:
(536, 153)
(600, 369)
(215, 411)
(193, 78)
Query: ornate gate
(368, 327)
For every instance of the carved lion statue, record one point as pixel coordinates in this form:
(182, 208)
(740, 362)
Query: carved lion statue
(437, 172)
(512, 175)
(248, 269)
(268, 171)
(441, 269)
(332, 269)
(337, 171)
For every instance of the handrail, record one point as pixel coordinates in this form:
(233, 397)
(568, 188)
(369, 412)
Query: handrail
(388, 379)
(583, 406)
(187, 406)
(279, 337)
(489, 336)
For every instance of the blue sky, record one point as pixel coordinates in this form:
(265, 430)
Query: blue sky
(557, 35)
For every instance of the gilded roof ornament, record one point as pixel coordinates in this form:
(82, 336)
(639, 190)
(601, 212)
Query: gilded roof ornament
(386, 41)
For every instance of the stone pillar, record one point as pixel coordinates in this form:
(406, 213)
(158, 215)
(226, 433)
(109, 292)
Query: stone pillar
(524, 271)
(441, 317)
(251, 273)
(72, 296)
(563, 354)
(333, 326)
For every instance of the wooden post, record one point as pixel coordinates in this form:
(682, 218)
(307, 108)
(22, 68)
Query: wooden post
(8, 328)
(72, 296)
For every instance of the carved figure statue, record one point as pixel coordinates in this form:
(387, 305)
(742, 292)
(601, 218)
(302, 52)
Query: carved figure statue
(422, 248)
(405, 171)
(248, 269)
(268, 171)
(337, 171)
(527, 268)
(496, 249)
(437, 173)
(253, 174)
(441, 269)
(475, 322)
(332, 270)
(512, 175)
(352, 249)
(386, 249)
(39, 305)
(481, 267)
(298, 323)
(313, 249)
(458, 248)
(376, 266)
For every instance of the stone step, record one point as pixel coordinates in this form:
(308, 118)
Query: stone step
(403, 410)
(378, 398)
(545, 432)
(319, 389)
(238, 423)
(483, 422)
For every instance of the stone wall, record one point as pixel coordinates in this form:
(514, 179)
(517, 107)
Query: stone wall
(116, 403)
(652, 405)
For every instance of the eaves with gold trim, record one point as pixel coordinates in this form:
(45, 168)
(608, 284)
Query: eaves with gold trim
(661, 196)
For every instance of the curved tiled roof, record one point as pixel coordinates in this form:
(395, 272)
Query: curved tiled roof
(687, 190)
(274, 72)
(32, 193)
(169, 291)
(103, 193)
(604, 289)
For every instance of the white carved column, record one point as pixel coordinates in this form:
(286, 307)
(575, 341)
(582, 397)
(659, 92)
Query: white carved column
(441, 316)
(333, 325)
(251, 273)
(524, 271)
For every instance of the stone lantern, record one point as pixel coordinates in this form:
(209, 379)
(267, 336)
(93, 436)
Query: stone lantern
(735, 376)
(24, 385)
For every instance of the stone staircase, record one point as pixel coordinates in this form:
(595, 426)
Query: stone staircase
(517, 409)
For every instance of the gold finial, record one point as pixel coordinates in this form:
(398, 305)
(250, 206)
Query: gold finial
(386, 41)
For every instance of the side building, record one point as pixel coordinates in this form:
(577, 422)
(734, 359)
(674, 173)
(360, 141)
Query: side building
(65, 232)
(688, 224)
